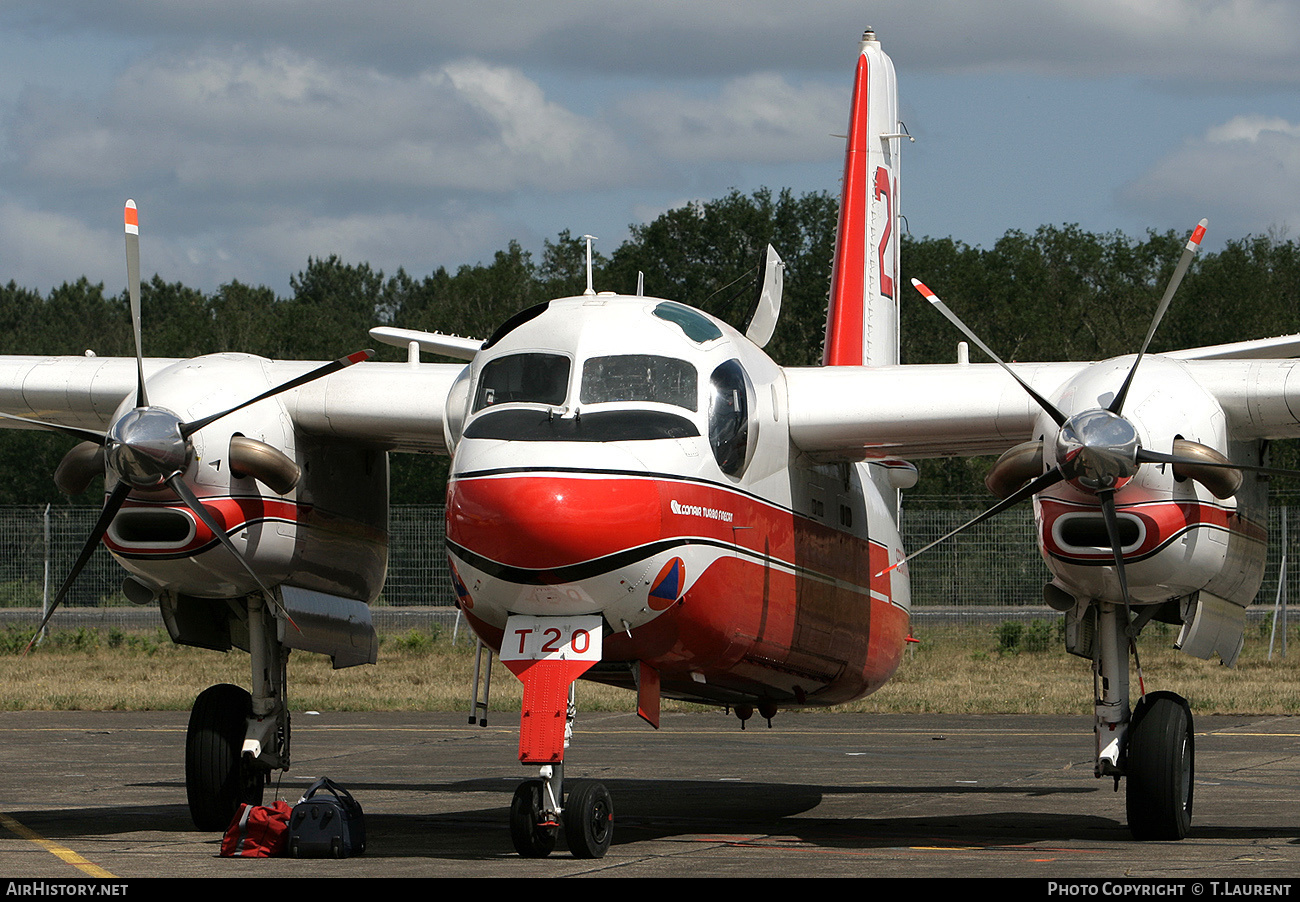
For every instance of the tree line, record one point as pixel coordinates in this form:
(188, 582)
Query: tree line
(1058, 293)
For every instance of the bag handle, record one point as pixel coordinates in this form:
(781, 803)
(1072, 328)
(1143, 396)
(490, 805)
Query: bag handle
(326, 783)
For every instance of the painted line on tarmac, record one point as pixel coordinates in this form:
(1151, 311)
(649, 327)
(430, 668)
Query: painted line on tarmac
(61, 852)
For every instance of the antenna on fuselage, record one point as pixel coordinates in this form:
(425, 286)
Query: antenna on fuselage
(589, 239)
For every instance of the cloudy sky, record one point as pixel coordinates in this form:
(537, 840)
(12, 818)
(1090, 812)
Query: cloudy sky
(255, 134)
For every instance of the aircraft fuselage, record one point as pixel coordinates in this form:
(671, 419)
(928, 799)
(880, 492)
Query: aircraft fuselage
(630, 457)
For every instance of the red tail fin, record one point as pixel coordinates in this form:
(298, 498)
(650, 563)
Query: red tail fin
(862, 320)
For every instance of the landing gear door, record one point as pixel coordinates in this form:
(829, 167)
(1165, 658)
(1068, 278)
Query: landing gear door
(548, 654)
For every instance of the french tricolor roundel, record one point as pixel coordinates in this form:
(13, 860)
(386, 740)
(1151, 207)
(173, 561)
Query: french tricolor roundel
(667, 586)
(462, 593)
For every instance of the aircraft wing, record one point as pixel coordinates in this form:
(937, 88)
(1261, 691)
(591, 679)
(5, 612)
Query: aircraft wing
(940, 410)
(393, 406)
(1281, 346)
(71, 391)
(1261, 398)
(913, 412)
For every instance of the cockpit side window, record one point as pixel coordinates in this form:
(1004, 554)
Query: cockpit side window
(639, 377)
(531, 378)
(729, 417)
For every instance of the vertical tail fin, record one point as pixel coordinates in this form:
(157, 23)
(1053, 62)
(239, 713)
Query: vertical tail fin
(862, 319)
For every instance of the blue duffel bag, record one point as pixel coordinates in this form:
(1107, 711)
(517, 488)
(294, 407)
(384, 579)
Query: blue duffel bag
(326, 823)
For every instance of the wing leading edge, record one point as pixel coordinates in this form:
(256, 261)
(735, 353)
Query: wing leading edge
(941, 410)
(390, 406)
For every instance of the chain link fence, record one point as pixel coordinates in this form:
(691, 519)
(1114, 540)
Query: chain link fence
(993, 569)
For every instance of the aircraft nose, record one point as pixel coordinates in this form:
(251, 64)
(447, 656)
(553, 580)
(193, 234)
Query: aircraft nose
(548, 521)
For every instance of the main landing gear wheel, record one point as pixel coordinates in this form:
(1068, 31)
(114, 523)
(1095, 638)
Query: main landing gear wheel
(588, 820)
(217, 779)
(531, 828)
(1161, 768)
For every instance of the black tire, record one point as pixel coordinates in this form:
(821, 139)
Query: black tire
(531, 838)
(589, 820)
(1161, 770)
(217, 780)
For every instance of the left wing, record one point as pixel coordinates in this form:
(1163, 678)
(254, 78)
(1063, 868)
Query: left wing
(940, 410)
(918, 411)
(391, 406)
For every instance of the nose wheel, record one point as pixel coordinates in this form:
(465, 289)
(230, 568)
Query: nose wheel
(533, 828)
(587, 819)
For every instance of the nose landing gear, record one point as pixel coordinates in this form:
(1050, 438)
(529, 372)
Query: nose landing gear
(548, 654)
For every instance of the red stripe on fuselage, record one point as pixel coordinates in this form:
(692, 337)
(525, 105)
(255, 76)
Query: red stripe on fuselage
(791, 609)
(552, 520)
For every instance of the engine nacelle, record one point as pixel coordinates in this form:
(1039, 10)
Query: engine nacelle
(1176, 536)
(304, 513)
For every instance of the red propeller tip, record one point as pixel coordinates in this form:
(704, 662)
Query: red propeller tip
(131, 218)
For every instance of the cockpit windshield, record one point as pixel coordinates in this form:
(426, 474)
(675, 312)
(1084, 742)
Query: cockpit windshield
(532, 378)
(639, 377)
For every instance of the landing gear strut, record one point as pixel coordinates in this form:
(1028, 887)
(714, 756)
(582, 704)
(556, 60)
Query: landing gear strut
(1153, 747)
(548, 654)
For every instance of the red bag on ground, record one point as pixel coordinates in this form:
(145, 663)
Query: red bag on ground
(258, 831)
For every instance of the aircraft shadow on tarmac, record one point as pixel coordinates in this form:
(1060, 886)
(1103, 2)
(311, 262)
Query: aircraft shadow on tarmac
(693, 811)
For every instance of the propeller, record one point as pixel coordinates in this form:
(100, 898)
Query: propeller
(150, 447)
(1097, 450)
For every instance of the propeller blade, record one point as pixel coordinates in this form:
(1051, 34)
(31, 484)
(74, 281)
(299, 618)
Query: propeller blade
(131, 219)
(1047, 405)
(1193, 245)
(86, 435)
(1156, 457)
(1107, 499)
(114, 504)
(1050, 478)
(188, 429)
(178, 485)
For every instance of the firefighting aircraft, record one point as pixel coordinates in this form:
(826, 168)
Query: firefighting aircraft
(640, 496)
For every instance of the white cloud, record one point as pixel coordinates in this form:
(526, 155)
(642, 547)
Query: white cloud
(756, 118)
(275, 121)
(38, 242)
(1246, 170)
(325, 121)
